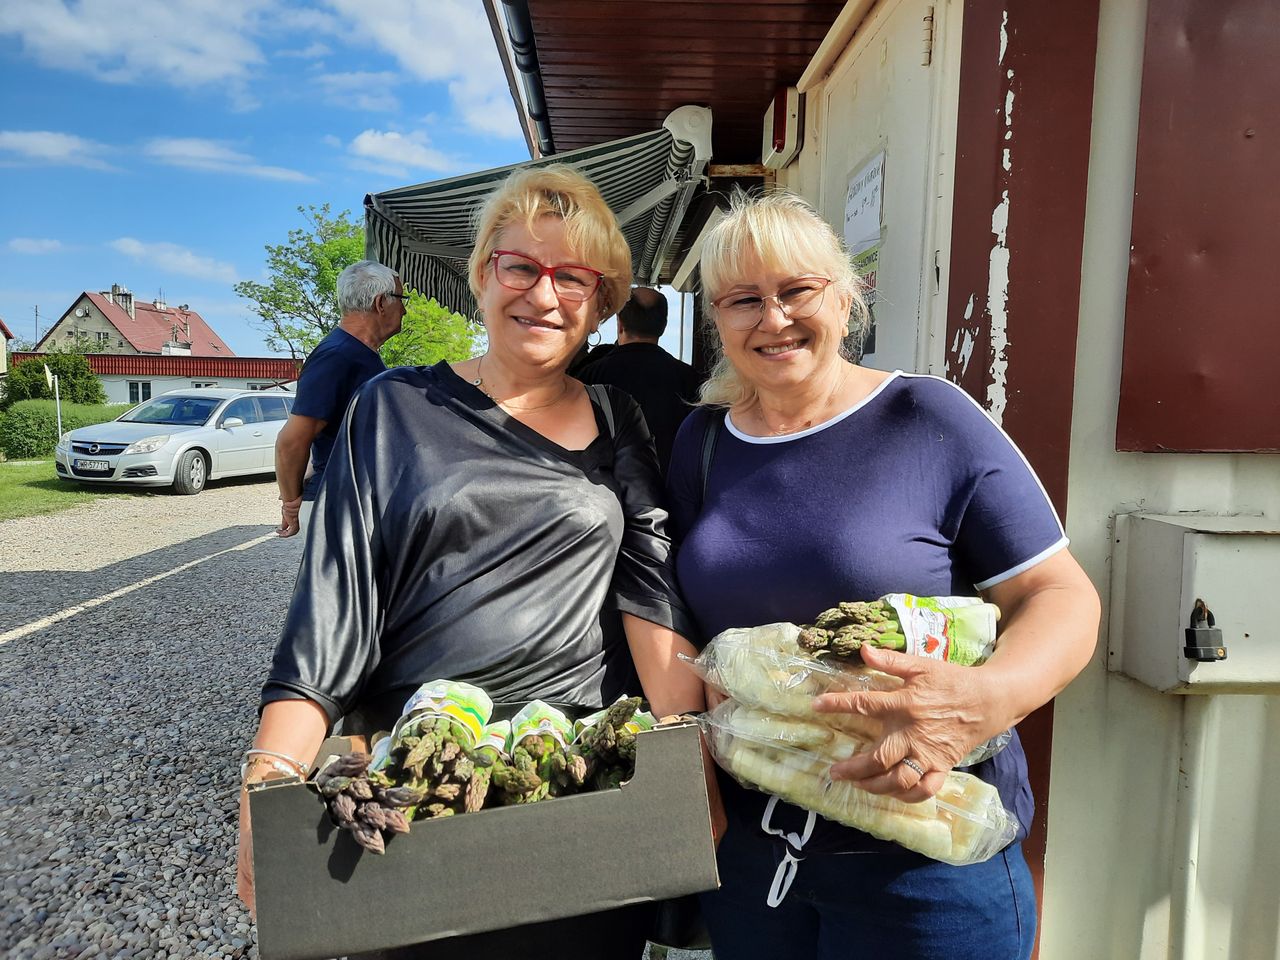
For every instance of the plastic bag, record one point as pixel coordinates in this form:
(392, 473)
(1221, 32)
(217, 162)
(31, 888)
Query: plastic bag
(964, 823)
(764, 667)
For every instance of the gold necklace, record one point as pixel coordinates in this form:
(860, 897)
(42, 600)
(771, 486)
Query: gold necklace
(784, 430)
(478, 383)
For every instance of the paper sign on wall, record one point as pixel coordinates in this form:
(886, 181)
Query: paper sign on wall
(863, 205)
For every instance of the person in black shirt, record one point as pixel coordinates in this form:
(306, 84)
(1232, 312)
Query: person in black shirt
(665, 388)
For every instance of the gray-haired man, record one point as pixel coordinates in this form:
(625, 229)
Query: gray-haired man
(371, 298)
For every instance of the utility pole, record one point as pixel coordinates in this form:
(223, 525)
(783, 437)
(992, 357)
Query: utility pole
(37, 324)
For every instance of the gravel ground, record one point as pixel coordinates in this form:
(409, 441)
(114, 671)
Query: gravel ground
(134, 635)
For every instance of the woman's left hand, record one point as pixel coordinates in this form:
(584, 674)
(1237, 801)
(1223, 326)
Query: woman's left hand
(941, 712)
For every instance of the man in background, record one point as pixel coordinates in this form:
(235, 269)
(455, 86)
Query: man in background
(371, 299)
(665, 387)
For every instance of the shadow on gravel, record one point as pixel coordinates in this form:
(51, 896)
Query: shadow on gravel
(30, 595)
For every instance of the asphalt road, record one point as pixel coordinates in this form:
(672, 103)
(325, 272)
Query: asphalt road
(134, 636)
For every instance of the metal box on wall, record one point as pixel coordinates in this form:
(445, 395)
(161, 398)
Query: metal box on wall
(1161, 566)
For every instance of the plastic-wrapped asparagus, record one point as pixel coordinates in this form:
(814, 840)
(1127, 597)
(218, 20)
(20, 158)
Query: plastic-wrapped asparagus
(965, 823)
(766, 667)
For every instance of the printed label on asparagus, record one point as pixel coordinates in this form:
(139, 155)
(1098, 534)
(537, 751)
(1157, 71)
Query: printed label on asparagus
(956, 629)
(538, 718)
(468, 705)
(494, 737)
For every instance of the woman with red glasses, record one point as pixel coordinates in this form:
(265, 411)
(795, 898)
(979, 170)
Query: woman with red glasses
(495, 522)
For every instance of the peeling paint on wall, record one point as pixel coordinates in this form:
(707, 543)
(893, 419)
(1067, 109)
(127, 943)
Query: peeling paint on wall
(997, 308)
(1004, 36)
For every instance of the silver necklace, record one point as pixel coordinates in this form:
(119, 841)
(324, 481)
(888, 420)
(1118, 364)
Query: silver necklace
(478, 383)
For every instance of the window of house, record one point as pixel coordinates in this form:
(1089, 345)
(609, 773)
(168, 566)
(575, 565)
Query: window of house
(104, 338)
(204, 383)
(260, 386)
(139, 390)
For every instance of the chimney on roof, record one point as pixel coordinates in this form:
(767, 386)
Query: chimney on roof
(160, 304)
(122, 298)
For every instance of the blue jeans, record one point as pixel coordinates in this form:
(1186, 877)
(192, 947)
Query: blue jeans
(879, 906)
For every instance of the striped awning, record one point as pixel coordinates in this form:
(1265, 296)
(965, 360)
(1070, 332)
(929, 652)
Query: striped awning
(425, 232)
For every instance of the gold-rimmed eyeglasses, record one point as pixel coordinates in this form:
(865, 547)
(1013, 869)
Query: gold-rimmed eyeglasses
(798, 299)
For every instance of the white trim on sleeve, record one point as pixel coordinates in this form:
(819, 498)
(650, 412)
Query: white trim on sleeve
(1024, 566)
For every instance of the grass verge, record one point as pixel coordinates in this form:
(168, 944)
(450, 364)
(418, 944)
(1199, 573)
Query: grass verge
(29, 489)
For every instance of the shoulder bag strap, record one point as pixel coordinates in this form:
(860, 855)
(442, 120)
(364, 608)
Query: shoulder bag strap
(606, 407)
(710, 434)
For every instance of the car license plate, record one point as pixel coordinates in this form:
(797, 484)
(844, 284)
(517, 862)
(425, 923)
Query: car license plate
(92, 465)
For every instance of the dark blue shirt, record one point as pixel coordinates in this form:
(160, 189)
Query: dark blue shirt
(338, 367)
(913, 490)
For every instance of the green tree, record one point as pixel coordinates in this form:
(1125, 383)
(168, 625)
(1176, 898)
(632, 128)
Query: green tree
(299, 304)
(431, 333)
(77, 383)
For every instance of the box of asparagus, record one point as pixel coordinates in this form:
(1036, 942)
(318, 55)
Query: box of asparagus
(452, 825)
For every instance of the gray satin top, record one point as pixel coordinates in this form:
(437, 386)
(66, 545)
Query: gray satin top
(450, 540)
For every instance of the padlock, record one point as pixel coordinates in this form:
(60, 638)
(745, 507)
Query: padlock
(1204, 640)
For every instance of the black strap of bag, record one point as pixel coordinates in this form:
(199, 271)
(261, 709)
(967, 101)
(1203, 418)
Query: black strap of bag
(602, 401)
(710, 434)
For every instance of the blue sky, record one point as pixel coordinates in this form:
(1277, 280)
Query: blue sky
(160, 144)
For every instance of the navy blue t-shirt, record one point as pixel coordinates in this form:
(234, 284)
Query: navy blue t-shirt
(338, 367)
(913, 490)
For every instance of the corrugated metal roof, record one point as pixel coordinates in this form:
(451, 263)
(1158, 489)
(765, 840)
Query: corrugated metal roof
(611, 68)
(280, 369)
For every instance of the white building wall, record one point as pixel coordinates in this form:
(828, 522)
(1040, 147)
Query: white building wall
(117, 386)
(92, 327)
(1123, 877)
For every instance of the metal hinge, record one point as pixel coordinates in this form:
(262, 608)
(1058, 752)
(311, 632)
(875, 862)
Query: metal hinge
(926, 54)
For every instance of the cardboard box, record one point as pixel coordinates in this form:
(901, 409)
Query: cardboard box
(320, 895)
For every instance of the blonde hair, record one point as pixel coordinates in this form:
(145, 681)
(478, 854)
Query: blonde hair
(782, 231)
(591, 229)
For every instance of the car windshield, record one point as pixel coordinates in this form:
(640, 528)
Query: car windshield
(183, 411)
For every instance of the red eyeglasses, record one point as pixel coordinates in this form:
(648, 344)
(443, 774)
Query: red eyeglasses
(571, 281)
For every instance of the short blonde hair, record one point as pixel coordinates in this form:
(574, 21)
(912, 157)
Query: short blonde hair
(783, 231)
(591, 229)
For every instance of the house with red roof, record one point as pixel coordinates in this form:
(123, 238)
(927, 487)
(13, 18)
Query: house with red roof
(139, 350)
(115, 322)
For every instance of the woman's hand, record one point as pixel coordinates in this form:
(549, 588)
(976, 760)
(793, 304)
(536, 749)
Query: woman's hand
(244, 859)
(714, 697)
(1050, 621)
(719, 821)
(941, 712)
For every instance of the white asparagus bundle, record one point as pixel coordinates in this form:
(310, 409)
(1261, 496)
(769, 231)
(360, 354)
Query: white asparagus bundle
(764, 667)
(964, 823)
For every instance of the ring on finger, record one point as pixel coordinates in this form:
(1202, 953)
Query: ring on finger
(913, 764)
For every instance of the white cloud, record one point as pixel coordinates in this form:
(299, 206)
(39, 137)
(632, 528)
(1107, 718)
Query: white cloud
(47, 146)
(213, 156)
(310, 52)
(186, 43)
(367, 92)
(34, 245)
(441, 40)
(172, 258)
(395, 154)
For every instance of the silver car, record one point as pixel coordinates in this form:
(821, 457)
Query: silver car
(184, 438)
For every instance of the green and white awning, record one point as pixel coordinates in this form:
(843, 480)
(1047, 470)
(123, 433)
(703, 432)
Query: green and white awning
(425, 232)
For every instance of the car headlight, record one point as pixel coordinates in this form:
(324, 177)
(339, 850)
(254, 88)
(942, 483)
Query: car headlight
(64, 439)
(147, 445)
